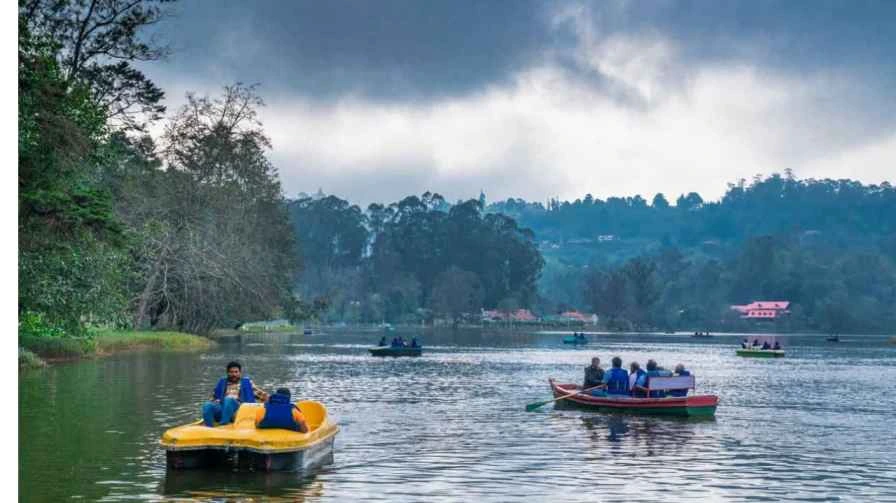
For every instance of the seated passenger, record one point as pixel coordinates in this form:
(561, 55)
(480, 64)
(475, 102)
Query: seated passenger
(744, 343)
(395, 342)
(616, 379)
(765, 345)
(755, 342)
(680, 371)
(382, 341)
(777, 345)
(414, 343)
(653, 370)
(229, 393)
(594, 375)
(636, 378)
(280, 412)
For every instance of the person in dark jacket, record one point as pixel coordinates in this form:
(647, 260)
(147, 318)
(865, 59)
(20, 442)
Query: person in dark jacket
(594, 375)
(229, 393)
(680, 371)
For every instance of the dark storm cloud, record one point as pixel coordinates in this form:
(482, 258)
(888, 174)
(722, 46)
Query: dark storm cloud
(383, 50)
(373, 100)
(408, 50)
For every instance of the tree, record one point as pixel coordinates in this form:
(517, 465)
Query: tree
(456, 292)
(98, 40)
(218, 244)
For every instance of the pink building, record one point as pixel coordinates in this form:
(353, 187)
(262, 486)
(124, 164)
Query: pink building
(763, 309)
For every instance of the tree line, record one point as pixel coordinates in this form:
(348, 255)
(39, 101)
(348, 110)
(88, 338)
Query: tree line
(190, 232)
(412, 259)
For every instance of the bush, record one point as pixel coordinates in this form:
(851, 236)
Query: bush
(29, 360)
(48, 340)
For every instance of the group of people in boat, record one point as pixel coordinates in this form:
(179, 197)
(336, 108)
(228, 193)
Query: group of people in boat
(399, 342)
(755, 345)
(579, 336)
(633, 382)
(234, 390)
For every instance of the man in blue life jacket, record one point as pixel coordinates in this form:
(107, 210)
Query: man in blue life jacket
(680, 371)
(616, 378)
(653, 370)
(414, 343)
(382, 341)
(229, 393)
(280, 412)
(636, 378)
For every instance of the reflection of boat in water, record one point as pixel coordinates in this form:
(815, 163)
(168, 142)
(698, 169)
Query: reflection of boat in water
(227, 485)
(396, 351)
(242, 445)
(693, 405)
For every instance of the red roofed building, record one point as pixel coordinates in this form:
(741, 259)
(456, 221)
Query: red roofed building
(520, 315)
(763, 309)
(575, 315)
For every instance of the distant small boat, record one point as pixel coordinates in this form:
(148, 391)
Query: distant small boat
(573, 339)
(701, 334)
(395, 351)
(307, 331)
(833, 338)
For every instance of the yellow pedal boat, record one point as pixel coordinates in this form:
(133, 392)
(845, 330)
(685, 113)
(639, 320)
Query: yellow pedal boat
(242, 445)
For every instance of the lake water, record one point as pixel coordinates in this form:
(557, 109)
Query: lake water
(451, 425)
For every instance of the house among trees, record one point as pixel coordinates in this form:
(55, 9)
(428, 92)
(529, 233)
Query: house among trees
(763, 310)
(519, 315)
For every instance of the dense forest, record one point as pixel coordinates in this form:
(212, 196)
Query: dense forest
(412, 259)
(188, 232)
(828, 246)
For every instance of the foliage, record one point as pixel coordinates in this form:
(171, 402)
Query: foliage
(96, 42)
(456, 292)
(111, 232)
(385, 264)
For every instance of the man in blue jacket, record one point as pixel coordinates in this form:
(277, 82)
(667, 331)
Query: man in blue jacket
(229, 393)
(616, 378)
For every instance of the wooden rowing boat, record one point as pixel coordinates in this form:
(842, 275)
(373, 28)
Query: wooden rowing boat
(686, 406)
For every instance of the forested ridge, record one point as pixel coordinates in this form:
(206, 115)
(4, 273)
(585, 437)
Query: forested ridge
(828, 246)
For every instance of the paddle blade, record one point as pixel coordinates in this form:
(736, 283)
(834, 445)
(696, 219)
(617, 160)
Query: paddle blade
(533, 406)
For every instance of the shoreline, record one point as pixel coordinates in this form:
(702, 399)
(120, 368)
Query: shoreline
(39, 352)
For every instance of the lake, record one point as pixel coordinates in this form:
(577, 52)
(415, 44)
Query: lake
(451, 425)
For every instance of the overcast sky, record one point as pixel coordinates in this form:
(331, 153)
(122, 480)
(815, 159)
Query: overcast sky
(373, 101)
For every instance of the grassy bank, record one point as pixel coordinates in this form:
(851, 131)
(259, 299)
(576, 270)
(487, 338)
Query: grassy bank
(33, 350)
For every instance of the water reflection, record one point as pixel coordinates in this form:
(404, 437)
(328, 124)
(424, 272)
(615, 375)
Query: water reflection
(224, 485)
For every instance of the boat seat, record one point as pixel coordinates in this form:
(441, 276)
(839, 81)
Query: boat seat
(669, 383)
(314, 413)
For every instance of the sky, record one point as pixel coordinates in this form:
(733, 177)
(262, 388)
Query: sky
(374, 101)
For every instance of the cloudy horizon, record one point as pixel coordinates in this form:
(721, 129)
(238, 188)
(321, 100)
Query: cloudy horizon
(376, 101)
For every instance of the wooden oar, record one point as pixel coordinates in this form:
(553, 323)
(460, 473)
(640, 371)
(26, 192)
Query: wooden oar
(532, 406)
